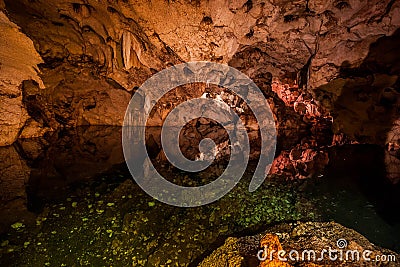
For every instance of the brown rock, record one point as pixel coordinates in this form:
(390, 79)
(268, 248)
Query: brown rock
(269, 243)
(308, 236)
(18, 62)
(96, 53)
(14, 174)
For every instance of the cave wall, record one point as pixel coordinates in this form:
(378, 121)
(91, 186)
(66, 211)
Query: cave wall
(365, 100)
(91, 55)
(18, 62)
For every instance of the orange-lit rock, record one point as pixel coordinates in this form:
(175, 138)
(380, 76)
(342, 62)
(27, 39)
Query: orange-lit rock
(96, 53)
(269, 243)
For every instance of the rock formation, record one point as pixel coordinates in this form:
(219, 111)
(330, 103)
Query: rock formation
(330, 71)
(18, 62)
(300, 237)
(93, 54)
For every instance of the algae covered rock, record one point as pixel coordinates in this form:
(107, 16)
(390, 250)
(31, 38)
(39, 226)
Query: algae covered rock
(226, 255)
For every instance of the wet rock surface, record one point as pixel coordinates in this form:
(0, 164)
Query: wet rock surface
(301, 236)
(87, 201)
(364, 100)
(95, 55)
(328, 69)
(112, 221)
(18, 62)
(349, 96)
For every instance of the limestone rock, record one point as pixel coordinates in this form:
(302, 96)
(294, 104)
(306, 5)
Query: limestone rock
(33, 129)
(88, 45)
(18, 62)
(307, 236)
(226, 255)
(392, 155)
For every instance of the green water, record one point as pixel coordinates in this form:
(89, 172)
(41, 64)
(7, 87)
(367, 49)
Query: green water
(111, 221)
(104, 219)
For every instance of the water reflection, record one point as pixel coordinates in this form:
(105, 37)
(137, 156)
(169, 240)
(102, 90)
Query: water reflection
(71, 157)
(80, 175)
(36, 171)
(14, 174)
(355, 193)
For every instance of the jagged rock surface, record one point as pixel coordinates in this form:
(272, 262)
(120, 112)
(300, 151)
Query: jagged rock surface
(96, 52)
(18, 62)
(315, 236)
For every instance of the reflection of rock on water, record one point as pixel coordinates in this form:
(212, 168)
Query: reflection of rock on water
(392, 155)
(392, 162)
(14, 174)
(33, 170)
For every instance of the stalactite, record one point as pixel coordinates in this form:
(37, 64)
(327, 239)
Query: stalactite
(130, 50)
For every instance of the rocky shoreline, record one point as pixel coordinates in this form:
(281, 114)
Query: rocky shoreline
(299, 240)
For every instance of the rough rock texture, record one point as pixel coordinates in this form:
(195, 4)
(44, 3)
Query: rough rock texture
(87, 52)
(365, 100)
(300, 163)
(18, 62)
(298, 236)
(96, 52)
(392, 155)
(75, 97)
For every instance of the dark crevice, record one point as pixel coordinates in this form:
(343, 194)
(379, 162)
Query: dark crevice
(87, 28)
(307, 7)
(56, 23)
(250, 33)
(304, 74)
(207, 20)
(248, 5)
(290, 18)
(387, 11)
(342, 4)
(112, 10)
(76, 7)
